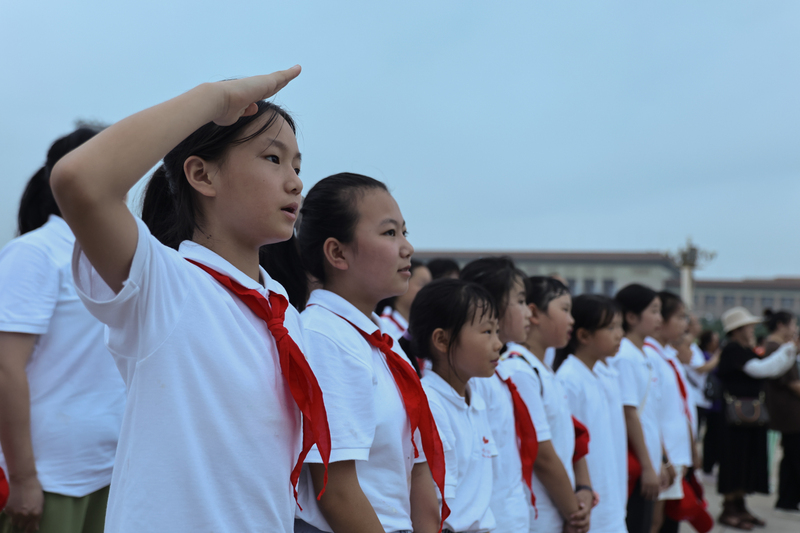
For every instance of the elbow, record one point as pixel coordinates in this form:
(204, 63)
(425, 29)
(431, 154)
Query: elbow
(70, 186)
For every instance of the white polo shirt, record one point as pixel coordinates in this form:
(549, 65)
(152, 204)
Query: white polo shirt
(588, 403)
(509, 502)
(640, 385)
(696, 380)
(211, 432)
(76, 394)
(549, 408)
(609, 378)
(392, 323)
(674, 423)
(366, 414)
(468, 451)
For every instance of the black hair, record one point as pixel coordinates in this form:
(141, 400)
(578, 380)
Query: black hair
(773, 319)
(705, 339)
(448, 304)
(389, 302)
(670, 304)
(169, 207)
(282, 262)
(497, 275)
(37, 202)
(441, 267)
(634, 298)
(541, 290)
(591, 312)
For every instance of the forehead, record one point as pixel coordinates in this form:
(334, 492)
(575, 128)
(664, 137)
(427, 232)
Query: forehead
(376, 206)
(279, 131)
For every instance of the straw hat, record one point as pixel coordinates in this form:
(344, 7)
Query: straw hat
(737, 317)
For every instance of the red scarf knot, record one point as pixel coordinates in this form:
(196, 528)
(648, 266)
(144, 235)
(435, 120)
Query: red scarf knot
(294, 368)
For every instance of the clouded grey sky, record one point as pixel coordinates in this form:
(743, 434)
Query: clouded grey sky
(608, 125)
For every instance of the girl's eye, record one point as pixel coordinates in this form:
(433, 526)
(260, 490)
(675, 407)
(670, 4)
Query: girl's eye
(405, 233)
(297, 171)
(273, 159)
(391, 233)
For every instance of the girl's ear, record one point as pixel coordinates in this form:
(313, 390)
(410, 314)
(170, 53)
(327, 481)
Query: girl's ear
(198, 172)
(583, 335)
(334, 254)
(631, 318)
(535, 314)
(440, 341)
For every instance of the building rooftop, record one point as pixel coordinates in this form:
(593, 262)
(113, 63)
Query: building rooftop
(605, 257)
(756, 284)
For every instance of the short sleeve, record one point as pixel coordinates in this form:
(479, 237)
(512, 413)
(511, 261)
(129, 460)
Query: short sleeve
(628, 381)
(141, 315)
(450, 454)
(348, 390)
(530, 389)
(29, 288)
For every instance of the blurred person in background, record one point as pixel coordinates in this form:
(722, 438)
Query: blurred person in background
(443, 268)
(783, 404)
(711, 417)
(61, 396)
(743, 459)
(394, 312)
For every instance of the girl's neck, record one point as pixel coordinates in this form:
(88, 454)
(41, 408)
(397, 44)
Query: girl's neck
(636, 338)
(587, 356)
(535, 344)
(662, 341)
(446, 373)
(363, 302)
(243, 258)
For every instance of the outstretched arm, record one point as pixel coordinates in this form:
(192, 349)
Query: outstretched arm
(90, 183)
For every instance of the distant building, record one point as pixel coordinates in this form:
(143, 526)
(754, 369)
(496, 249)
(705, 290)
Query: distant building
(713, 297)
(585, 272)
(607, 272)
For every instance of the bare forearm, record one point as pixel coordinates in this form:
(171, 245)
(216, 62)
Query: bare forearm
(582, 473)
(550, 471)
(344, 505)
(636, 437)
(424, 503)
(15, 422)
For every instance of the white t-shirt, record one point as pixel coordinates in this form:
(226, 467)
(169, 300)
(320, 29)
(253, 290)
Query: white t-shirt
(696, 380)
(392, 323)
(211, 432)
(674, 424)
(640, 385)
(609, 378)
(76, 394)
(509, 503)
(468, 451)
(549, 408)
(366, 414)
(588, 403)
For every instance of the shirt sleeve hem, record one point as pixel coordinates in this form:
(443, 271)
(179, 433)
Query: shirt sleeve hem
(341, 454)
(29, 328)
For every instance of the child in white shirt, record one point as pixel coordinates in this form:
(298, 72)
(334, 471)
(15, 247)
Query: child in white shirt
(454, 325)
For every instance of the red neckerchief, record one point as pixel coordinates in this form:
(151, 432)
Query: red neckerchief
(294, 367)
(527, 442)
(581, 441)
(417, 409)
(391, 317)
(681, 386)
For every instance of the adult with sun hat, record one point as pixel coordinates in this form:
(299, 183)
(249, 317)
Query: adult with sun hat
(743, 462)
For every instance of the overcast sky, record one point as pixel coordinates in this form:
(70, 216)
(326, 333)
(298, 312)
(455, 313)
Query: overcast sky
(624, 126)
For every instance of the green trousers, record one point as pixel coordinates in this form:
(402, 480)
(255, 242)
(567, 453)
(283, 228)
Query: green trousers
(65, 514)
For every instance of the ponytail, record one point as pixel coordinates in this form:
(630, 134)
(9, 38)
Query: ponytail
(169, 214)
(282, 262)
(37, 202)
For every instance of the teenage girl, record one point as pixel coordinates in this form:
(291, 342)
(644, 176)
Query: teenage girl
(676, 407)
(352, 238)
(454, 326)
(394, 311)
(512, 468)
(563, 488)
(217, 389)
(596, 334)
(641, 395)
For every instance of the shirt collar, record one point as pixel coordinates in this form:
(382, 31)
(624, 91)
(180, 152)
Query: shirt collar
(339, 306)
(201, 254)
(436, 382)
(61, 228)
(527, 355)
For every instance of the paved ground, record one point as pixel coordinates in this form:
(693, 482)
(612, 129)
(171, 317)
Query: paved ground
(761, 506)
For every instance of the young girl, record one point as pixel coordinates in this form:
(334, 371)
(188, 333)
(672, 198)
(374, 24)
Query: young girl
(563, 488)
(394, 311)
(596, 334)
(638, 381)
(512, 468)
(454, 325)
(217, 384)
(676, 409)
(352, 238)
